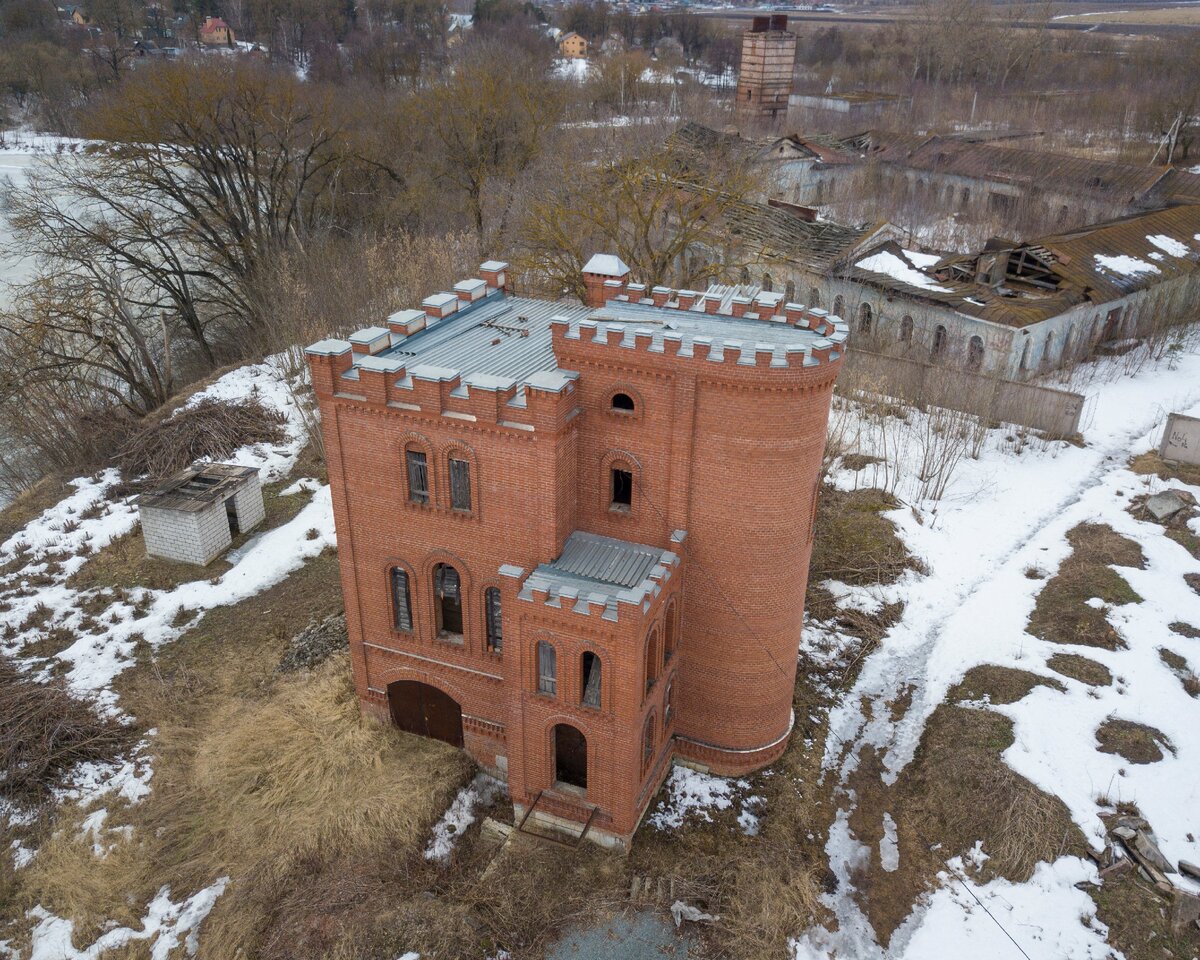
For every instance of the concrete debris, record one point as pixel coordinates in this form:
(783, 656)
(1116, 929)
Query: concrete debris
(315, 644)
(1185, 911)
(682, 911)
(1164, 505)
(1189, 869)
(1146, 850)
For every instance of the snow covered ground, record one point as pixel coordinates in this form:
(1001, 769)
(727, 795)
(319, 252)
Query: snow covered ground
(1003, 514)
(59, 542)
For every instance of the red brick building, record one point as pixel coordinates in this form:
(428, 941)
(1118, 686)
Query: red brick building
(574, 538)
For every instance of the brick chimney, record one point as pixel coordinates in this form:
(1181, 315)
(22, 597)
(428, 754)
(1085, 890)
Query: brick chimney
(602, 268)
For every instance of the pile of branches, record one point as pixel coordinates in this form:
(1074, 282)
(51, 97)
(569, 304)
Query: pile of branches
(44, 731)
(208, 430)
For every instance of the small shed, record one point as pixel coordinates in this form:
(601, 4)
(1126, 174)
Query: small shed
(195, 515)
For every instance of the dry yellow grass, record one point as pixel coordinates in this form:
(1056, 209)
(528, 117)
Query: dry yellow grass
(252, 791)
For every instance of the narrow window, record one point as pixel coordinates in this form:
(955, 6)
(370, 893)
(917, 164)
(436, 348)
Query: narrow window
(839, 306)
(814, 297)
(622, 489)
(1068, 343)
(418, 476)
(622, 401)
(767, 283)
(669, 637)
(906, 329)
(667, 705)
(401, 601)
(651, 659)
(447, 592)
(460, 484)
(1025, 356)
(975, 353)
(591, 680)
(939, 341)
(865, 318)
(789, 291)
(547, 668)
(1047, 350)
(648, 742)
(495, 623)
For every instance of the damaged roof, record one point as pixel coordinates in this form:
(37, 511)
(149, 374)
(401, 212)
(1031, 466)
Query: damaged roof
(1018, 284)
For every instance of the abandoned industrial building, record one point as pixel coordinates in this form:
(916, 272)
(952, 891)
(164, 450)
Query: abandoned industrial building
(194, 516)
(574, 537)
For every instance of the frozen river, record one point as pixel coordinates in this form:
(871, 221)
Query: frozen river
(13, 267)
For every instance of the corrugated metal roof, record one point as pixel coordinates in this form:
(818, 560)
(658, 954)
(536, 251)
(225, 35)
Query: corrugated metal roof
(607, 560)
(499, 335)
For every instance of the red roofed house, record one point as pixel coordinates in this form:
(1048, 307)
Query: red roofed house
(215, 32)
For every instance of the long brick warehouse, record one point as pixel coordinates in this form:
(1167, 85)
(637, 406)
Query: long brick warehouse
(574, 538)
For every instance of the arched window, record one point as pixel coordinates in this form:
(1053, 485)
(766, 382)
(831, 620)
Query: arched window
(651, 658)
(766, 284)
(447, 594)
(622, 488)
(668, 705)
(906, 329)
(590, 680)
(493, 619)
(622, 401)
(417, 467)
(839, 306)
(1068, 343)
(966, 195)
(401, 600)
(939, 341)
(789, 292)
(669, 635)
(1047, 350)
(865, 317)
(648, 743)
(814, 297)
(744, 276)
(547, 664)
(1025, 355)
(975, 353)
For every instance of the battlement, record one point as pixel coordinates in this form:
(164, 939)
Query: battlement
(601, 577)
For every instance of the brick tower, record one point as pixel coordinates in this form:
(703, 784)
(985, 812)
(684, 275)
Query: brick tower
(765, 74)
(574, 538)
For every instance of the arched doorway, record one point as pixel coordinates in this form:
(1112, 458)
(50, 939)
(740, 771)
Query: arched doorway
(570, 756)
(426, 711)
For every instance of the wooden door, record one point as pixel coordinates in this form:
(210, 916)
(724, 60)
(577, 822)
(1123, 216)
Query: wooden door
(426, 711)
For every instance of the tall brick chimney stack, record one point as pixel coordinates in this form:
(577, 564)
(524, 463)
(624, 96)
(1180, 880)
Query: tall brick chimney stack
(765, 74)
(598, 271)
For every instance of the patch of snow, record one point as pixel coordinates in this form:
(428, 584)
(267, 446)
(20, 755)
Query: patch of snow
(164, 924)
(1169, 245)
(577, 69)
(1125, 265)
(922, 260)
(889, 849)
(303, 485)
(461, 814)
(21, 854)
(893, 266)
(694, 794)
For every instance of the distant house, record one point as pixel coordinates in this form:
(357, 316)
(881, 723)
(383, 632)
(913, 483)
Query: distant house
(76, 15)
(215, 32)
(572, 45)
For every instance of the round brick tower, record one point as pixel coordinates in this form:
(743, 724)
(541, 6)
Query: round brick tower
(758, 445)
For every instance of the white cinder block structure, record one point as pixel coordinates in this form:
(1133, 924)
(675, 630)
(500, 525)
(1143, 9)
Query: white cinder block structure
(194, 517)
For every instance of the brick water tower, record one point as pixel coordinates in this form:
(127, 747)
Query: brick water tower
(765, 75)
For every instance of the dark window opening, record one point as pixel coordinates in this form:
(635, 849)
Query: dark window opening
(570, 756)
(651, 659)
(667, 705)
(547, 658)
(865, 317)
(622, 489)
(231, 517)
(495, 623)
(906, 329)
(460, 484)
(418, 476)
(622, 401)
(939, 341)
(447, 591)
(648, 742)
(401, 600)
(591, 680)
(975, 353)
(669, 639)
